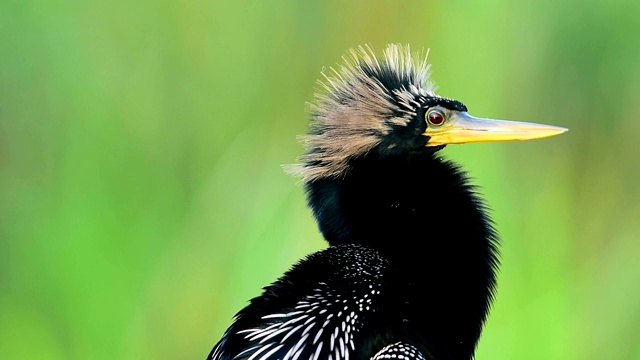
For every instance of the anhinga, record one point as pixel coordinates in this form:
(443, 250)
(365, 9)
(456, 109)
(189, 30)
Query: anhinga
(411, 267)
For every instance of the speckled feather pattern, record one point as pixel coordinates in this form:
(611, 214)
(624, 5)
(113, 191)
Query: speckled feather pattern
(325, 322)
(399, 351)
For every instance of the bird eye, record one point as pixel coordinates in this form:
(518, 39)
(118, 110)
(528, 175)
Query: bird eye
(435, 117)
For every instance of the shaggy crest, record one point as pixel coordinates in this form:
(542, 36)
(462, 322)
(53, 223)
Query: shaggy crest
(359, 104)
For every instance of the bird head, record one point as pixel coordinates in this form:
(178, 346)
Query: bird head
(388, 106)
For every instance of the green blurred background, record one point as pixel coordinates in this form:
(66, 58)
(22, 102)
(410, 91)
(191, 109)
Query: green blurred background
(142, 201)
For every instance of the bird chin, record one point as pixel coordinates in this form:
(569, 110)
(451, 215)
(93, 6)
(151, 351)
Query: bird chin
(433, 148)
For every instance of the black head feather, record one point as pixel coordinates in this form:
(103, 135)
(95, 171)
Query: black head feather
(367, 105)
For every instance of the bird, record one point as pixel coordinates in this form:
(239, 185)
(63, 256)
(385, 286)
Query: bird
(412, 258)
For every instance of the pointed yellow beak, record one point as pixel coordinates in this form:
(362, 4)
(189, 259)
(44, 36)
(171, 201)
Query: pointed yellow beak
(461, 128)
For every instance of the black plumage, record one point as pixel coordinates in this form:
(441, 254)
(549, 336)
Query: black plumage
(411, 267)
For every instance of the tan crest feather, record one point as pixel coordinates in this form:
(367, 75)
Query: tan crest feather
(355, 110)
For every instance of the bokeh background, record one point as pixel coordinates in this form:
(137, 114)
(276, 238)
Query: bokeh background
(142, 201)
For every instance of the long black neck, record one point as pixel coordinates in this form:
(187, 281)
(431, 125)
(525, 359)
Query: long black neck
(421, 214)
